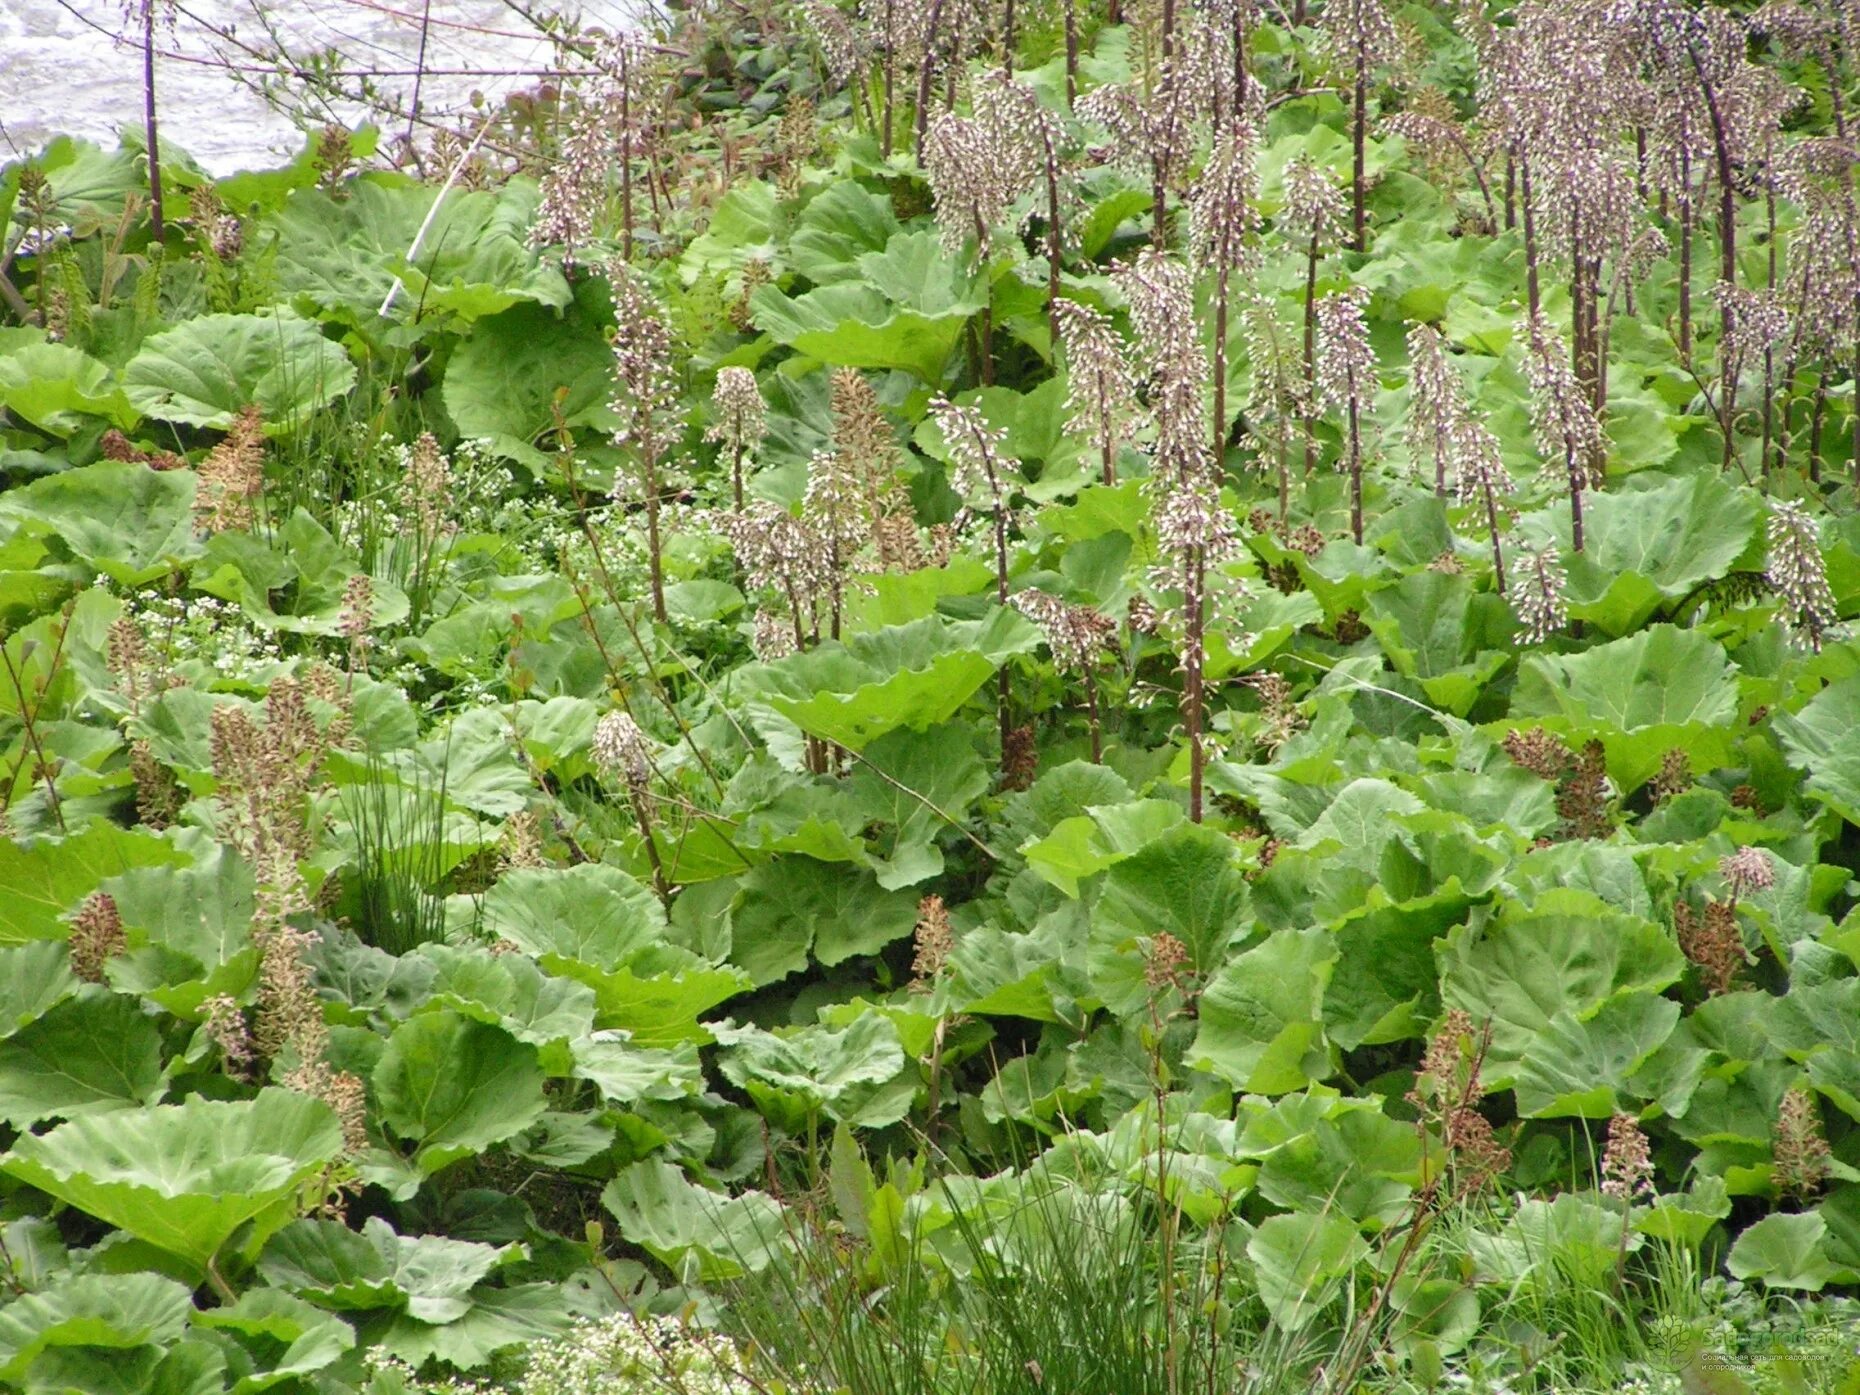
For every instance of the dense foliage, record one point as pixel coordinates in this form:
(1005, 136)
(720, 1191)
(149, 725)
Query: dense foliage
(1193, 657)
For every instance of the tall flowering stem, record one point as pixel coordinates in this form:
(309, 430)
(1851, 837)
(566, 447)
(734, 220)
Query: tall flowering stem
(978, 167)
(1442, 425)
(1078, 637)
(1798, 574)
(1362, 33)
(1101, 400)
(1346, 377)
(982, 476)
(1222, 213)
(739, 421)
(646, 399)
(1565, 422)
(1313, 215)
(1194, 531)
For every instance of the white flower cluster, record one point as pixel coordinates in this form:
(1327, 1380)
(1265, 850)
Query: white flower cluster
(614, 1355)
(183, 630)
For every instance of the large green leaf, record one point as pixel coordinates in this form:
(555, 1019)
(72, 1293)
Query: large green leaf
(48, 878)
(1262, 1024)
(454, 1087)
(185, 1177)
(917, 675)
(118, 1311)
(1646, 545)
(128, 521)
(473, 261)
(1186, 884)
(55, 387)
(1641, 696)
(1582, 1067)
(345, 1270)
(1300, 1261)
(1568, 954)
(204, 370)
(793, 905)
(502, 383)
(1823, 738)
(592, 913)
(92, 1054)
(801, 1073)
(34, 978)
(701, 1235)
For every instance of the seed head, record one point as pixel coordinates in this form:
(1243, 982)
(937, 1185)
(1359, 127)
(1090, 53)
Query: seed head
(1077, 634)
(1798, 574)
(622, 749)
(739, 417)
(1627, 1165)
(1747, 870)
(1800, 1149)
(1537, 594)
(96, 934)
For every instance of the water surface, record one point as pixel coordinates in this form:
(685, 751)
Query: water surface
(61, 70)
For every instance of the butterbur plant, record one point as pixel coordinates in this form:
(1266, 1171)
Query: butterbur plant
(1311, 217)
(1101, 400)
(1798, 575)
(1222, 214)
(1346, 379)
(1537, 594)
(622, 751)
(984, 476)
(1568, 432)
(646, 402)
(1195, 533)
(1079, 638)
(739, 421)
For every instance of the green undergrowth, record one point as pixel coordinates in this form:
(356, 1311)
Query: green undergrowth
(698, 787)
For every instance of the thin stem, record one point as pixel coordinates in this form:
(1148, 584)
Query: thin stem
(148, 119)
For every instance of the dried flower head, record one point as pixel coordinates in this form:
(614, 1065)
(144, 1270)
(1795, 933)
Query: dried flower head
(519, 846)
(96, 935)
(1280, 719)
(1020, 758)
(934, 940)
(1674, 777)
(231, 480)
(426, 483)
(621, 749)
(1627, 1164)
(1539, 751)
(1747, 870)
(1713, 942)
(1800, 1149)
(356, 617)
(1166, 962)
(1582, 798)
(1798, 574)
